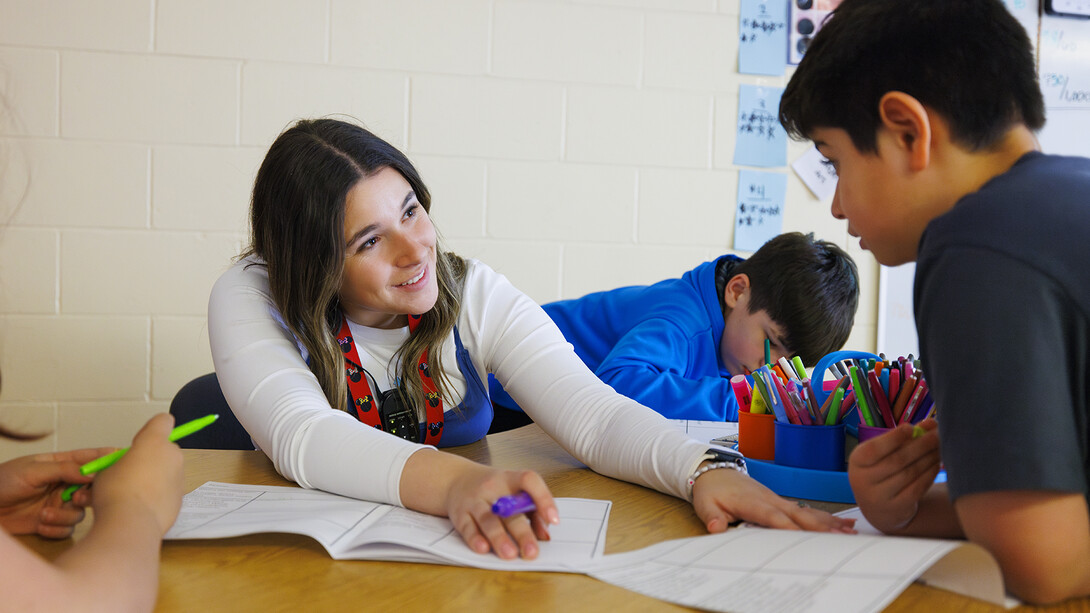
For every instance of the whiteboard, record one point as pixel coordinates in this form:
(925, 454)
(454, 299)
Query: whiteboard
(896, 319)
(1063, 63)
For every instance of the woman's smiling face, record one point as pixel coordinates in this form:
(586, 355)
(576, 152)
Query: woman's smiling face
(389, 265)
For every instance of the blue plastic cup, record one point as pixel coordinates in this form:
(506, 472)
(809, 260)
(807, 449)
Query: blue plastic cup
(813, 447)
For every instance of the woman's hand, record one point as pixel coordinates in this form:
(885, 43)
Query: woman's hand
(890, 474)
(444, 484)
(31, 487)
(469, 506)
(148, 478)
(724, 496)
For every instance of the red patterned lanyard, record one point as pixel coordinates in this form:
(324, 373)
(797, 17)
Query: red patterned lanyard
(364, 401)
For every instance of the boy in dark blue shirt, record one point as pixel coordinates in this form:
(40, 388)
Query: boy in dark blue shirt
(674, 345)
(927, 111)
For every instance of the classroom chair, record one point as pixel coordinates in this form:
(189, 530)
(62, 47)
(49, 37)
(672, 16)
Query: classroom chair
(198, 398)
(505, 419)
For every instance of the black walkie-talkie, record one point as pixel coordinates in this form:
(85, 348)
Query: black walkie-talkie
(398, 418)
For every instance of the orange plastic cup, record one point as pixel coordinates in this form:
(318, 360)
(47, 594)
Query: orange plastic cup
(757, 435)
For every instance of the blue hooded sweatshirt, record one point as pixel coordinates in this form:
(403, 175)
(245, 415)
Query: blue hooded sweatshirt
(657, 344)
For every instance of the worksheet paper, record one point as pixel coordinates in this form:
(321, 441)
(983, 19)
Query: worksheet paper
(760, 570)
(743, 569)
(351, 529)
(703, 430)
(937, 576)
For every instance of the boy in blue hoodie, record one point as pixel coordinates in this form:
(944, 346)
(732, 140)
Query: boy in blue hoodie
(674, 345)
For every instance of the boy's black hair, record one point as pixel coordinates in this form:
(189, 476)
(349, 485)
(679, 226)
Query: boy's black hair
(809, 287)
(968, 60)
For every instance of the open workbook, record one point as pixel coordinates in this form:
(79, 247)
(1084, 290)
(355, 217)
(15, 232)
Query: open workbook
(351, 529)
(746, 569)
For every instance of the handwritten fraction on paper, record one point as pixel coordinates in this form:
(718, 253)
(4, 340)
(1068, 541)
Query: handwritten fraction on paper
(760, 208)
(816, 172)
(761, 139)
(1065, 82)
(762, 37)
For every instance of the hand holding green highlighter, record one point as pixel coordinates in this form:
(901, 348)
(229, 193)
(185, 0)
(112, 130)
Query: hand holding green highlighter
(108, 460)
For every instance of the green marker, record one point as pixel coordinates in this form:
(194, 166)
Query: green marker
(760, 404)
(860, 396)
(834, 405)
(768, 351)
(799, 368)
(918, 431)
(108, 460)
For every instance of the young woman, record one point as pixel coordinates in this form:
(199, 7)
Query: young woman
(345, 300)
(115, 566)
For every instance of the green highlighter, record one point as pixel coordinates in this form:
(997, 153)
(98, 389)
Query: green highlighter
(108, 460)
(799, 368)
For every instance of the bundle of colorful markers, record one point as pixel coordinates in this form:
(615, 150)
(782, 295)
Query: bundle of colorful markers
(885, 393)
(893, 391)
(783, 389)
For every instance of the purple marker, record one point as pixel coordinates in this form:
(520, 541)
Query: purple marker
(507, 506)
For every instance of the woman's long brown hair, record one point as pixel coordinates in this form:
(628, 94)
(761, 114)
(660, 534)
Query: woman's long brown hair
(297, 220)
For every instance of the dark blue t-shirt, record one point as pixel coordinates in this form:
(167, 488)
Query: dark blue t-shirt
(1002, 301)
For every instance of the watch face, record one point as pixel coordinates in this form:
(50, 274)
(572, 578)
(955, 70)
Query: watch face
(727, 455)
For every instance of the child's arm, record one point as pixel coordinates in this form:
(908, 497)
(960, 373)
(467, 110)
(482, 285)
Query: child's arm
(651, 363)
(1040, 538)
(115, 567)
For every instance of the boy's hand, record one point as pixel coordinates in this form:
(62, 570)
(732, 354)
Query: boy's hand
(724, 496)
(889, 474)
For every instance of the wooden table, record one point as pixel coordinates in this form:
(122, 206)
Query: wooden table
(281, 572)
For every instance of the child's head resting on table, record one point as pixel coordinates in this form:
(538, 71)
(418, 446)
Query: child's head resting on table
(914, 105)
(323, 260)
(798, 292)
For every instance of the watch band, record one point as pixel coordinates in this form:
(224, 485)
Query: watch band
(719, 458)
(722, 454)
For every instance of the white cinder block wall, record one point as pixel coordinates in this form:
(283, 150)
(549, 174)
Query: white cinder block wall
(575, 145)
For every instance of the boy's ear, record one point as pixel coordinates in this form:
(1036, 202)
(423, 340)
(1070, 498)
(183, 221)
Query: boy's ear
(907, 119)
(735, 288)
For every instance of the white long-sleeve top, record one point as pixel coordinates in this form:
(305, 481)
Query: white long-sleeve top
(268, 385)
